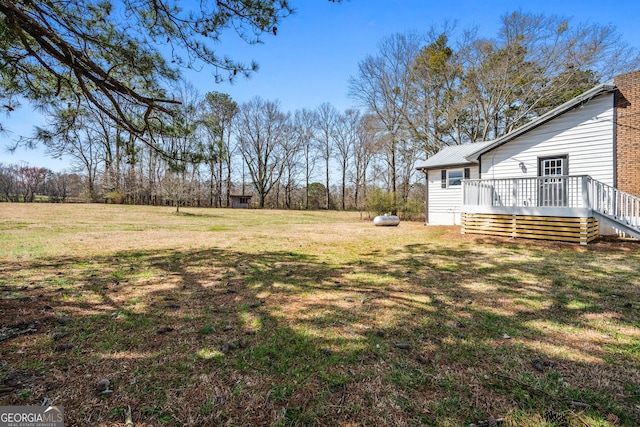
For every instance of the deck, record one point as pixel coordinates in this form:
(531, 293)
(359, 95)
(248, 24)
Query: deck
(566, 208)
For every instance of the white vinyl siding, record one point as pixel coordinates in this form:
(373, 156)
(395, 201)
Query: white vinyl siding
(584, 134)
(445, 204)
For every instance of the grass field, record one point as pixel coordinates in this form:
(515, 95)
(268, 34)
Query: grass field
(263, 318)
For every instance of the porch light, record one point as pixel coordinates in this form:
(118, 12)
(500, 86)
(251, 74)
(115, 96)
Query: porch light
(523, 167)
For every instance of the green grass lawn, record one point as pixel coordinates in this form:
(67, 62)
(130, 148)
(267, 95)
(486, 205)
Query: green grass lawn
(249, 317)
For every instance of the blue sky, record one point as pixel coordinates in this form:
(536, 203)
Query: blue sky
(316, 50)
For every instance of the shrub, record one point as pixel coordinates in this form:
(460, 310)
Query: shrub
(412, 210)
(114, 197)
(380, 202)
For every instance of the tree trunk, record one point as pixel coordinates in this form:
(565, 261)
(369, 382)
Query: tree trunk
(393, 178)
(211, 201)
(220, 182)
(328, 193)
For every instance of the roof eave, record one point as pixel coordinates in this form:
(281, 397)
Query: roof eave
(447, 166)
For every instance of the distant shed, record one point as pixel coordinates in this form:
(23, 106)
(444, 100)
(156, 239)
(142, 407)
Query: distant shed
(240, 202)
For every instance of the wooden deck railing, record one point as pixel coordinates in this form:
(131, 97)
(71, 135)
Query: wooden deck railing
(614, 204)
(557, 191)
(553, 193)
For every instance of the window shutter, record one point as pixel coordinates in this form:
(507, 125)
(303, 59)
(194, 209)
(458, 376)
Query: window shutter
(467, 173)
(443, 178)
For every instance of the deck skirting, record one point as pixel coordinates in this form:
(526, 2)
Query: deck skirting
(565, 229)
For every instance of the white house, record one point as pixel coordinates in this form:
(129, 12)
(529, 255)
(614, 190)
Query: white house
(558, 177)
(445, 172)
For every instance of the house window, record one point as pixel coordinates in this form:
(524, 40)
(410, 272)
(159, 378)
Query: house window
(455, 177)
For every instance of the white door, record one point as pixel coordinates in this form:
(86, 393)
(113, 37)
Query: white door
(553, 189)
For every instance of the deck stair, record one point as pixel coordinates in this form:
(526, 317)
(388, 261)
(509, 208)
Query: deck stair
(615, 207)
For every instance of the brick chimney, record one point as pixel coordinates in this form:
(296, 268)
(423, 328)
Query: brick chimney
(628, 132)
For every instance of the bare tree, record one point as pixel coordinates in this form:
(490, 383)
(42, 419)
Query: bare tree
(293, 151)
(179, 140)
(261, 129)
(9, 183)
(474, 89)
(303, 127)
(30, 180)
(383, 85)
(365, 148)
(60, 186)
(326, 122)
(535, 60)
(219, 112)
(346, 136)
(81, 135)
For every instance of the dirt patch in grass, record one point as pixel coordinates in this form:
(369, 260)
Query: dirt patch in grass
(292, 318)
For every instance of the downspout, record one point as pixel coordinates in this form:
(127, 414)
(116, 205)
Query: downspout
(426, 197)
(615, 138)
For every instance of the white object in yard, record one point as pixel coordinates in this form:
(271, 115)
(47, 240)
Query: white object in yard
(388, 220)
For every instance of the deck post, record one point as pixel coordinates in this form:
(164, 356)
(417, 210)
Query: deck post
(586, 203)
(514, 192)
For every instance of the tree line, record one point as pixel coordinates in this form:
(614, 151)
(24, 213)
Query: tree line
(213, 148)
(140, 134)
(23, 183)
